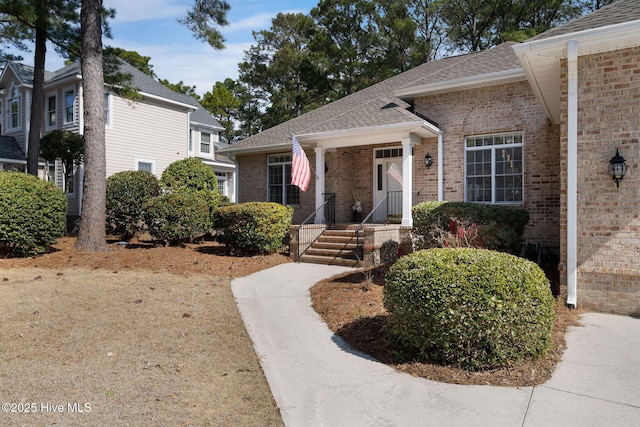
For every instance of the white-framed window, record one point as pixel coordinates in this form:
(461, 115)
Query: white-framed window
(279, 179)
(69, 103)
(69, 181)
(494, 168)
(107, 110)
(145, 165)
(51, 172)
(205, 142)
(13, 107)
(222, 183)
(51, 111)
(191, 131)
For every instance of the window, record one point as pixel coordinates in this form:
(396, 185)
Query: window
(144, 165)
(191, 140)
(205, 142)
(69, 98)
(107, 110)
(69, 178)
(51, 172)
(51, 111)
(279, 178)
(14, 109)
(493, 168)
(222, 183)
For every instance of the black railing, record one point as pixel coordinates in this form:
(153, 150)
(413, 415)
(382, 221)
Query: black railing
(311, 228)
(394, 207)
(370, 216)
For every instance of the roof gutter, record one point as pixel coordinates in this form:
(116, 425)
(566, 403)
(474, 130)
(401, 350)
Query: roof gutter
(516, 74)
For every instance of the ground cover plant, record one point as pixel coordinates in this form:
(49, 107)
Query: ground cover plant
(145, 334)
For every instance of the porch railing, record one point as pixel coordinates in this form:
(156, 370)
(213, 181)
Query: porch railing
(310, 230)
(394, 207)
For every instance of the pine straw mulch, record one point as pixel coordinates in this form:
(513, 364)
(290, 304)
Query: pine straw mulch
(351, 305)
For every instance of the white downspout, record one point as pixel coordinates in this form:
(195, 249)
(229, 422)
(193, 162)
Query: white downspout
(572, 173)
(440, 168)
(320, 159)
(407, 181)
(81, 132)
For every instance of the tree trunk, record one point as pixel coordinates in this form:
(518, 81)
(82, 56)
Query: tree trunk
(91, 236)
(37, 100)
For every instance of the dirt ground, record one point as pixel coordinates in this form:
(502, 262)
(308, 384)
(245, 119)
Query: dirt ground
(351, 305)
(140, 336)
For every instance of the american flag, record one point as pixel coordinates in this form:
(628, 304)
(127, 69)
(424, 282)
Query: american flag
(394, 172)
(300, 169)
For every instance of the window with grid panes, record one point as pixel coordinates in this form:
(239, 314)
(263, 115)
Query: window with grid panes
(279, 178)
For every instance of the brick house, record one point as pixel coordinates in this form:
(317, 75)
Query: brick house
(532, 125)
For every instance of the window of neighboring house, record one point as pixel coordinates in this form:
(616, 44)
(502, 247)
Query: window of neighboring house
(205, 142)
(191, 140)
(107, 109)
(51, 111)
(69, 98)
(145, 165)
(494, 168)
(14, 109)
(222, 183)
(69, 181)
(279, 178)
(51, 172)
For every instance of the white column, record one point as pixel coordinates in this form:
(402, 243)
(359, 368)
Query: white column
(320, 159)
(440, 168)
(407, 181)
(572, 173)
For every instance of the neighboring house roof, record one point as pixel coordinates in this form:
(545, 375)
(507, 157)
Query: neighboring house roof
(614, 27)
(10, 149)
(384, 105)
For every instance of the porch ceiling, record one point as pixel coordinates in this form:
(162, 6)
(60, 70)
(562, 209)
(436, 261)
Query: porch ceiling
(370, 135)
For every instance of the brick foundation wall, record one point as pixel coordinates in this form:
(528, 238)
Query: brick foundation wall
(608, 224)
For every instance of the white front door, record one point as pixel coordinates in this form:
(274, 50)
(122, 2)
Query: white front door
(387, 180)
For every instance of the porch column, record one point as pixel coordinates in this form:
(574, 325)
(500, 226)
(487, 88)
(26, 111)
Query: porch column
(440, 168)
(320, 154)
(407, 181)
(572, 174)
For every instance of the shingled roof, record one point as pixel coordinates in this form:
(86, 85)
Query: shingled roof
(618, 12)
(378, 105)
(10, 149)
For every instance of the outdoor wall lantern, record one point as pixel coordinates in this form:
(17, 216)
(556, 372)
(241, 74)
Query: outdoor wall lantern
(617, 168)
(428, 160)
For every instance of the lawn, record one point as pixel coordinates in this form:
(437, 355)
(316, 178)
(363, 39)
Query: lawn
(141, 335)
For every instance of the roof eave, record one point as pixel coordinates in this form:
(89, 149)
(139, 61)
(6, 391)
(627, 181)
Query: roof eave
(483, 80)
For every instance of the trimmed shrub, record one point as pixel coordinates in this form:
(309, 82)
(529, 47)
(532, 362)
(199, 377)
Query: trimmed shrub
(498, 227)
(178, 217)
(32, 214)
(473, 308)
(193, 175)
(253, 227)
(127, 196)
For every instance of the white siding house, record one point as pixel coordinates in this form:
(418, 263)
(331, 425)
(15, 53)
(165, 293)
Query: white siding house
(146, 134)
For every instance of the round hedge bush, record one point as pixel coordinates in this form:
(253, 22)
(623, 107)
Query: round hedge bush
(193, 175)
(127, 195)
(32, 214)
(253, 227)
(473, 308)
(178, 217)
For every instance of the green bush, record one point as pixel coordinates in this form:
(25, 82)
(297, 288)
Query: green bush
(32, 214)
(499, 227)
(178, 217)
(193, 175)
(253, 227)
(472, 308)
(127, 196)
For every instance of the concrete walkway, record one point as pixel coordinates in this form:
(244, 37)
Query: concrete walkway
(318, 380)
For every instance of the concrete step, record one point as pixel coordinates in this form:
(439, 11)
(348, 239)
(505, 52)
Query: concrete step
(334, 245)
(314, 259)
(331, 253)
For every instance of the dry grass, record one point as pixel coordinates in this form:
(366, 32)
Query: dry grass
(138, 338)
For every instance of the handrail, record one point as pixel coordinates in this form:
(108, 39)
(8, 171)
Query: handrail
(303, 237)
(359, 228)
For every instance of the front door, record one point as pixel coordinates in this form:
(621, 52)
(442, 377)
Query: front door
(388, 182)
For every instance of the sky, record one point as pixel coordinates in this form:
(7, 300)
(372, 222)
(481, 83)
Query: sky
(150, 28)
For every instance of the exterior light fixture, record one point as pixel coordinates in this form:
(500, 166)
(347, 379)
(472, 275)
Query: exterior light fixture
(428, 160)
(617, 168)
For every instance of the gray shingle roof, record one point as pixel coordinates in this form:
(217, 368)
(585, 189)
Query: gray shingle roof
(10, 149)
(377, 105)
(616, 13)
